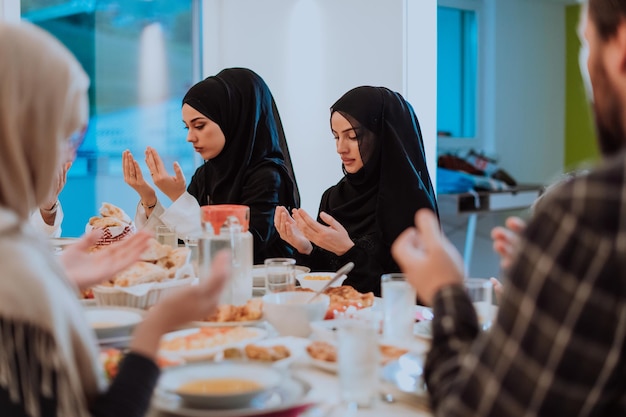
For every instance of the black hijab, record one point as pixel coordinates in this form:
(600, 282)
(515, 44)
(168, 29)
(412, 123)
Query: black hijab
(383, 196)
(240, 102)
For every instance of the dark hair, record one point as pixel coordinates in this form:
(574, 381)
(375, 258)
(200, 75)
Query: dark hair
(607, 16)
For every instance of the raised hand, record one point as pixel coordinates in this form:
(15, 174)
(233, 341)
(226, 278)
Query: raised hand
(289, 231)
(134, 177)
(86, 268)
(172, 186)
(506, 239)
(333, 238)
(429, 260)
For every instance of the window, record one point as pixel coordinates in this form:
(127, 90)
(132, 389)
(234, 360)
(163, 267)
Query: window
(457, 69)
(141, 58)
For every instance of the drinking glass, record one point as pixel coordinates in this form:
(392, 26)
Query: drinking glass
(280, 274)
(166, 236)
(480, 291)
(191, 242)
(358, 357)
(398, 308)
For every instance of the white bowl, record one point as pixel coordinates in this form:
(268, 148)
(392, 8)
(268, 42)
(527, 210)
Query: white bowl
(317, 280)
(291, 315)
(263, 376)
(110, 322)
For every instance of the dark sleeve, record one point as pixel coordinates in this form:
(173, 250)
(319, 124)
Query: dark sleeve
(131, 390)
(556, 346)
(262, 192)
(197, 185)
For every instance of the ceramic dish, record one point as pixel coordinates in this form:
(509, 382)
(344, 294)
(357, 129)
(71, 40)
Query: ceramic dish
(227, 323)
(61, 242)
(317, 280)
(403, 378)
(222, 385)
(203, 343)
(112, 322)
(289, 398)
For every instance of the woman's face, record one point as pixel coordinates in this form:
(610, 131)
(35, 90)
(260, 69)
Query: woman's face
(346, 142)
(204, 134)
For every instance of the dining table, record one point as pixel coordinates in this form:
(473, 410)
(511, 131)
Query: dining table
(323, 397)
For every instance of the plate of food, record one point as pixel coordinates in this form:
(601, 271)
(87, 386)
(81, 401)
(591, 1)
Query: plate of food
(323, 354)
(220, 385)
(249, 314)
(204, 342)
(288, 398)
(317, 280)
(113, 322)
(61, 242)
(278, 351)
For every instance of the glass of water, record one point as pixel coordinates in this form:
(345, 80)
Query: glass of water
(166, 236)
(398, 308)
(358, 357)
(280, 274)
(480, 291)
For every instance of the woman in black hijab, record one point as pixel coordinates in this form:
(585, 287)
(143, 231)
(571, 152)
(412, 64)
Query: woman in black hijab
(234, 125)
(386, 181)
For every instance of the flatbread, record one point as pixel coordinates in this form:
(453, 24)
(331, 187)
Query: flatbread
(140, 273)
(156, 251)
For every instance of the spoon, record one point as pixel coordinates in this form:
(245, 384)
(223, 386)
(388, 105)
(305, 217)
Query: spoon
(340, 272)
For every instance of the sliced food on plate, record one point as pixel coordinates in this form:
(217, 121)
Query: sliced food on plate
(344, 297)
(324, 353)
(251, 311)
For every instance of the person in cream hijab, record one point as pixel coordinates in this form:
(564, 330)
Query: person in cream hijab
(48, 353)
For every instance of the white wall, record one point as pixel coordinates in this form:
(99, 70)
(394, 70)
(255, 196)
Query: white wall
(310, 52)
(529, 87)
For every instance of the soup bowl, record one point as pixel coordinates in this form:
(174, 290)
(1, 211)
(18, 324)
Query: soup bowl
(220, 385)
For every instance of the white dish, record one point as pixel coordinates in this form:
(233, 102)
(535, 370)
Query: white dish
(320, 282)
(88, 302)
(263, 376)
(112, 322)
(296, 345)
(227, 323)
(211, 344)
(403, 378)
(258, 274)
(61, 242)
(290, 312)
(288, 398)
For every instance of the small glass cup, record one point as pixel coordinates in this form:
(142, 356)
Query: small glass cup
(280, 274)
(166, 236)
(358, 361)
(398, 308)
(480, 291)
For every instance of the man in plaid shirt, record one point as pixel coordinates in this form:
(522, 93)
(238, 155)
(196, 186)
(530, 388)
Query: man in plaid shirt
(558, 345)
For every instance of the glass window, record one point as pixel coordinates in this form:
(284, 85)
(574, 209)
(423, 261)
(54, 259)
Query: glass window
(141, 58)
(457, 63)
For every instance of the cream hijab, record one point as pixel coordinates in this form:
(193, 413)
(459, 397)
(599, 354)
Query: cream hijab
(43, 100)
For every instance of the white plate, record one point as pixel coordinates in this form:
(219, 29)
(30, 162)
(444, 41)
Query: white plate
(258, 274)
(112, 322)
(214, 344)
(288, 398)
(296, 345)
(227, 323)
(88, 302)
(62, 241)
(265, 376)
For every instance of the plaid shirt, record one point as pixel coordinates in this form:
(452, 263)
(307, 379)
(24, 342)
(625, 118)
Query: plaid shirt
(557, 347)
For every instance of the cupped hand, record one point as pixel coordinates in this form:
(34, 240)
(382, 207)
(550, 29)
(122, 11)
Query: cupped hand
(506, 239)
(87, 268)
(172, 186)
(134, 177)
(333, 238)
(289, 231)
(429, 260)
